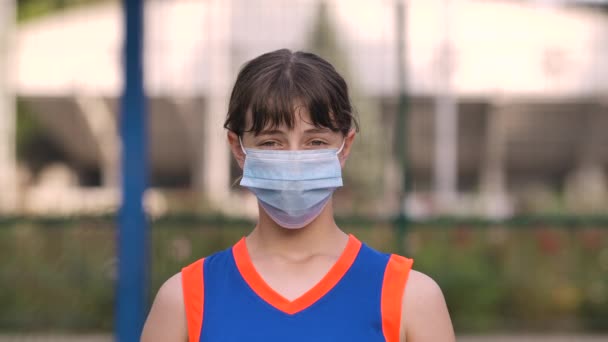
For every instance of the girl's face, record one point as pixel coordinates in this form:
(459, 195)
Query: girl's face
(303, 136)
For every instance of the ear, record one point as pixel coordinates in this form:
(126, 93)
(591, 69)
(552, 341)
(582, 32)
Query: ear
(348, 143)
(235, 147)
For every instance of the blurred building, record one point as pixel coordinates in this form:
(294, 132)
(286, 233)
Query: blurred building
(526, 85)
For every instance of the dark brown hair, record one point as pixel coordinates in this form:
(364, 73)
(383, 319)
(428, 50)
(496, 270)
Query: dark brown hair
(272, 84)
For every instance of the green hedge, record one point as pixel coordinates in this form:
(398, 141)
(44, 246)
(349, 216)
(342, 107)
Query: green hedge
(539, 275)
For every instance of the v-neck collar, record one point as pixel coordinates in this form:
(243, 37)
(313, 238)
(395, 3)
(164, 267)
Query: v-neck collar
(269, 295)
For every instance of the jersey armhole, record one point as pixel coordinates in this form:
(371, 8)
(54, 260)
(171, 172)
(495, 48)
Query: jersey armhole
(393, 286)
(194, 293)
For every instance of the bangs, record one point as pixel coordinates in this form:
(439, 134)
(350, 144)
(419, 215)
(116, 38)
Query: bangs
(280, 101)
(272, 89)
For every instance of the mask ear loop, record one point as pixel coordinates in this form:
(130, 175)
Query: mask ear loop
(241, 144)
(341, 147)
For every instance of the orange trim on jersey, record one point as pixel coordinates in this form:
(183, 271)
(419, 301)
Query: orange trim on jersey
(395, 277)
(194, 296)
(264, 291)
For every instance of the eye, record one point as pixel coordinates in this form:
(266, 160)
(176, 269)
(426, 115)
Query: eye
(268, 143)
(317, 142)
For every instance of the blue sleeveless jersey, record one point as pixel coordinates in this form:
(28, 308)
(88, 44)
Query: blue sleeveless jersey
(359, 299)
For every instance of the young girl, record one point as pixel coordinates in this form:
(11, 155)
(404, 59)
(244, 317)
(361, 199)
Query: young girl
(297, 276)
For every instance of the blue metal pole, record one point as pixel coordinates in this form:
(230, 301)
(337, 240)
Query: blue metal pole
(132, 230)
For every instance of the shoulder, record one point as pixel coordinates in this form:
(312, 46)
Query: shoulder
(422, 287)
(171, 290)
(167, 319)
(425, 316)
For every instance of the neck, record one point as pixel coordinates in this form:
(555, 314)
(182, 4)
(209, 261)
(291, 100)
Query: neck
(321, 236)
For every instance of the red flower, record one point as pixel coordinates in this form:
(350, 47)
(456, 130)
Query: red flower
(548, 241)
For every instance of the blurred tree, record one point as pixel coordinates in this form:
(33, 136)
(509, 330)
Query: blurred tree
(366, 183)
(323, 39)
(30, 9)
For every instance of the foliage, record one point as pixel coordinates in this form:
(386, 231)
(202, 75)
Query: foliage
(30, 9)
(59, 274)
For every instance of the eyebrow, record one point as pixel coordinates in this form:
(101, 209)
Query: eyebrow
(270, 132)
(317, 130)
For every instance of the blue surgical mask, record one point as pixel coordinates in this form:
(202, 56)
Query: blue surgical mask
(292, 187)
